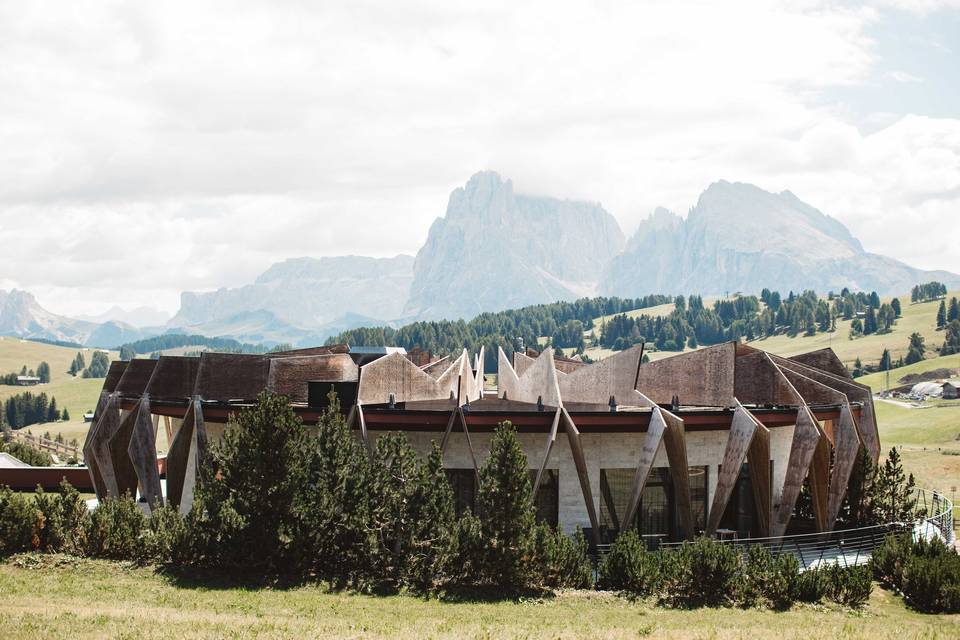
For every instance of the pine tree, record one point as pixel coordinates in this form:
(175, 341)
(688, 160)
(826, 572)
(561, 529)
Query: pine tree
(895, 490)
(916, 349)
(43, 372)
(953, 312)
(857, 368)
(335, 536)
(895, 303)
(951, 341)
(262, 464)
(505, 503)
(65, 415)
(885, 361)
(870, 322)
(942, 315)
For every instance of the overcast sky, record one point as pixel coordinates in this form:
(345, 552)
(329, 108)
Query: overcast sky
(149, 148)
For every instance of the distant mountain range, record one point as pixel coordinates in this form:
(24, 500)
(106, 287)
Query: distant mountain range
(495, 249)
(140, 317)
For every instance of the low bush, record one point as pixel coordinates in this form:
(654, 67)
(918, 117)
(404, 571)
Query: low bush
(18, 519)
(926, 572)
(849, 586)
(164, 538)
(700, 573)
(62, 520)
(562, 561)
(629, 567)
(811, 586)
(27, 454)
(115, 528)
(765, 580)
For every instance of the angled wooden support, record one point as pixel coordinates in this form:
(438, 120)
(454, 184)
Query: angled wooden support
(675, 443)
(846, 448)
(362, 421)
(840, 437)
(107, 425)
(818, 478)
(142, 451)
(651, 445)
(806, 435)
(579, 460)
(186, 459)
(448, 430)
(854, 391)
(551, 439)
(758, 465)
(93, 467)
(123, 469)
(743, 428)
(473, 454)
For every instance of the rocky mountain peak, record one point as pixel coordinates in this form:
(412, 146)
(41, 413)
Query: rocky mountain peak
(495, 249)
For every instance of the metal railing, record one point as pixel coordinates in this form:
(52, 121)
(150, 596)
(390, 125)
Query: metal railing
(851, 547)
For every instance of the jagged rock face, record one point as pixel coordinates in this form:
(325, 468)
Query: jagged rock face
(742, 238)
(496, 250)
(22, 316)
(308, 293)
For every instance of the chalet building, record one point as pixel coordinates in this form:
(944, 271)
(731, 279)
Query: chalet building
(717, 439)
(951, 390)
(28, 381)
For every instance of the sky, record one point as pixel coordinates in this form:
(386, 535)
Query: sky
(148, 148)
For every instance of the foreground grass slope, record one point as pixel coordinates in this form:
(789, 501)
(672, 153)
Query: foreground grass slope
(60, 597)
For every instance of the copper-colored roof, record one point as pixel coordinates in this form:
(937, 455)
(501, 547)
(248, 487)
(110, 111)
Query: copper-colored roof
(231, 376)
(289, 375)
(136, 376)
(174, 377)
(117, 367)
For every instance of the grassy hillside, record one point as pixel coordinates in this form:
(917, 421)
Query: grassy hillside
(61, 597)
(76, 394)
(920, 317)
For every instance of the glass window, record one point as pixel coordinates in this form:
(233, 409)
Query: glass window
(657, 513)
(547, 500)
(615, 488)
(464, 483)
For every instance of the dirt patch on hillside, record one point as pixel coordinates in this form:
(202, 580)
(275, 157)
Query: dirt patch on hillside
(933, 374)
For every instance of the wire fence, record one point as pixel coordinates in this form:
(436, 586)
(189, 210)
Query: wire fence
(852, 547)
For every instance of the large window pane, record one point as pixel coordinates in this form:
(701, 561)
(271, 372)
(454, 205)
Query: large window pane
(547, 500)
(464, 483)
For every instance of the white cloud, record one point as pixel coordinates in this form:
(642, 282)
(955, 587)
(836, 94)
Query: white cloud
(904, 76)
(149, 148)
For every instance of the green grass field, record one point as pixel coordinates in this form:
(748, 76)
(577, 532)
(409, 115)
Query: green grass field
(60, 597)
(920, 317)
(76, 394)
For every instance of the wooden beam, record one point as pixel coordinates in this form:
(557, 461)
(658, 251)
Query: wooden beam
(576, 448)
(123, 469)
(446, 433)
(758, 465)
(675, 443)
(89, 458)
(142, 452)
(473, 455)
(846, 446)
(651, 444)
(806, 435)
(551, 439)
(742, 429)
(107, 425)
